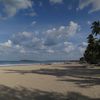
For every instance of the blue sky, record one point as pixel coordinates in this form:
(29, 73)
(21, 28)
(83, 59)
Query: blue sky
(45, 29)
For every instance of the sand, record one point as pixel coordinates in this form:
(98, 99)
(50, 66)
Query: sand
(59, 78)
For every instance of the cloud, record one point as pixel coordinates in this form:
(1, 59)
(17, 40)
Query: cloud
(56, 35)
(73, 28)
(68, 47)
(22, 51)
(33, 23)
(26, 34)
(95, 5)
(89, 22)
(73, 49)
(56, 1)
(28, 40)
(21, 37)
(50, 51)
(51, 41)
(84, 44)
(82, 47)
(11, 7)
(34, 47)
(7, 44)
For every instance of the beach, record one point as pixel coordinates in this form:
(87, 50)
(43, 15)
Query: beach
(74, 78)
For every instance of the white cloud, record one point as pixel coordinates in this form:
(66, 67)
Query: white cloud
(84, 44)
(21, 37)
(95, 5)
(69, 47)
(56, 1)
(17, 46)
(56, 35)
(33, 23)
(11, 7)
(67, 43)
(7, 44)
(72, 28)
(35, 46)
(28, 40)
(35, 39)
(50, 51)
(52, 41)
(37, 43)
(22, 51)
(82, 47)
(26, 34)
(89, 22)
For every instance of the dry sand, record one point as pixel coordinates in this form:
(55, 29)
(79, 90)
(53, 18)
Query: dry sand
(61, 78)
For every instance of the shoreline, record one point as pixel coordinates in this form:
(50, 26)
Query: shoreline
(30, 64)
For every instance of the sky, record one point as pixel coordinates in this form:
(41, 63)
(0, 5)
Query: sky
(46, 29)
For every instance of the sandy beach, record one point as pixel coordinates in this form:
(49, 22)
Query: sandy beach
(63, 79)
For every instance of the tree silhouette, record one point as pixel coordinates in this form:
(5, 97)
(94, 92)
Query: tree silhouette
(95, 28)
(92, 52)
(90, 55)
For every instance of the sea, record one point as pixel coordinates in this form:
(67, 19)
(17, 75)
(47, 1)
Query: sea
(30, 62)
(27, 62)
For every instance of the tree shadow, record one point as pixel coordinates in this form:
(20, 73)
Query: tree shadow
(21, 93)
(71, 66)
(83, 82)
(81, 76)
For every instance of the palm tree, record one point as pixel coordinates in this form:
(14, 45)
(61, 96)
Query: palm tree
(92, 52)
(96, 28)
(97, 48)
(91, 39)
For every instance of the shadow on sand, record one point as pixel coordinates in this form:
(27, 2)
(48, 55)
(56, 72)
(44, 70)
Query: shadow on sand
(82, 76)
(21, 93)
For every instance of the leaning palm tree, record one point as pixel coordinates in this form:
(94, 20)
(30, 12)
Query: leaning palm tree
(96, 28)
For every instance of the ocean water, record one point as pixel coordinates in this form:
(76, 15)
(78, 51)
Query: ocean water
(29, 62)
(5, 63)
(25, 62)
(10, 63)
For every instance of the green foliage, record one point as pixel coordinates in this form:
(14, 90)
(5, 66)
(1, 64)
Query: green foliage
(92, 52)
